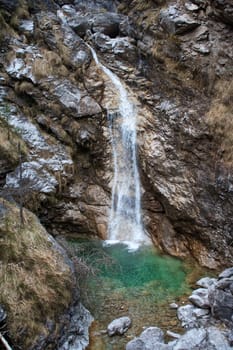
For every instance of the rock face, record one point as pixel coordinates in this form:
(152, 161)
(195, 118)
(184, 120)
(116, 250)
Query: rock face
(176, 23)
(176, 59)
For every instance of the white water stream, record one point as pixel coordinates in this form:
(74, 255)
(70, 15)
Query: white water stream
(125, 223)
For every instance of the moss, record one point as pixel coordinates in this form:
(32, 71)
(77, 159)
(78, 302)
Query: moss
(35, 282)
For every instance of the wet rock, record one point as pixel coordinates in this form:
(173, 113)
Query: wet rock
(199, 298)
(119, 326)
(175, 22)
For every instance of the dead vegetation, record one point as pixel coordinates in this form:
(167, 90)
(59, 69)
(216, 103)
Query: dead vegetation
(50, 64)
(220, 117)
(35, 282)
(20, 13)
(9, 140)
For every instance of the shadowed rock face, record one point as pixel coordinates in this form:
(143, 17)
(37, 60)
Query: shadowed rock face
(175, 59)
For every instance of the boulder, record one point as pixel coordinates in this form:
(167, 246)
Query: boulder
(199, 298)
(226, 273)
(206, 282)
(217, 340)
(194, 339)
(136, 344)
(119, 326)
(175, 22)
(152, 336)
(191, 316)
(150, 339)
(221, 303)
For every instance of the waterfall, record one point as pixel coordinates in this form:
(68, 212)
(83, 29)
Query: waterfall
(125, 223)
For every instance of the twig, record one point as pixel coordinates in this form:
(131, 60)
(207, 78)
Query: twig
(4, 342)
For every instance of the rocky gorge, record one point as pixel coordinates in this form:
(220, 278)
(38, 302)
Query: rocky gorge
(175, 58)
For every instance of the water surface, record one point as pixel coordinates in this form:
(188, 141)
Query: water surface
(139, 284)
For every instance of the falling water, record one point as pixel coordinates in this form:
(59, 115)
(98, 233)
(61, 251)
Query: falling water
(125, 222)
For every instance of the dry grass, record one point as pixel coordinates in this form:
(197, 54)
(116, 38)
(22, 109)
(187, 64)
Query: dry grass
(35, 282)
(6, 30)
(50, 64)
(20, 13)
(9, 140)
(220, 117)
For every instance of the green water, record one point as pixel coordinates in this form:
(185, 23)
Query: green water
(139, 284)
